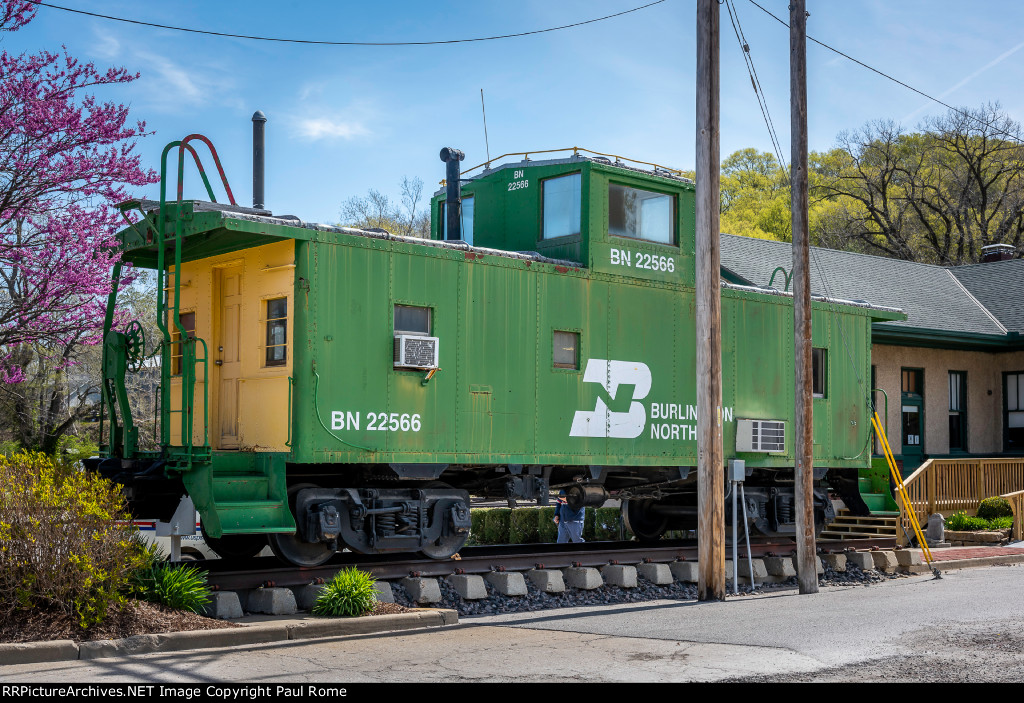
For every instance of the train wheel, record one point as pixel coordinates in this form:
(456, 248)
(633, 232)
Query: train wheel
(235, 546)
(291, 548)
(643, 523)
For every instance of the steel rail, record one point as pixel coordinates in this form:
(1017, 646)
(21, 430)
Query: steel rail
(228, 575)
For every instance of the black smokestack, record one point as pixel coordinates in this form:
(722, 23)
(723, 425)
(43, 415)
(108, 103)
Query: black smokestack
(259, 120)
(453, 198)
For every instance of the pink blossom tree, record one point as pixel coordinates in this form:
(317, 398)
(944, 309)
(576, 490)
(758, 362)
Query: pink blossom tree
(65, 160)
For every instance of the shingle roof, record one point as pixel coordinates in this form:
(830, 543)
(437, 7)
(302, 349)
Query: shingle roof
(931, 296)
(999, 286)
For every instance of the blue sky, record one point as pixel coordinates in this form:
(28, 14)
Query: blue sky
(345, 119)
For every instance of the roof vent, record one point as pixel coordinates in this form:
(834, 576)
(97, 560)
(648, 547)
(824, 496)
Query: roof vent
(997, 252)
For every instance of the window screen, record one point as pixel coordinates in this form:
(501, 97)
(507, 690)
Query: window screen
(410, 319)
(566, 350)
(277, 332)
(562, 206)
(641, 214)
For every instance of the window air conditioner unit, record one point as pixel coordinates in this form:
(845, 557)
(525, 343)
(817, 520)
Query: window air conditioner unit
(415, 352)
(768, 436)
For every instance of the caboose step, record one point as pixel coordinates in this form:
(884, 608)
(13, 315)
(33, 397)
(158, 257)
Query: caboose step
(239, 517)
(240, 487)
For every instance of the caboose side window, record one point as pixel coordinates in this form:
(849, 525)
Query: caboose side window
(565, 350)
(410, 319)
(277, 332)
(188, 321)
(641, 214)
(818, 360)
(562, 202)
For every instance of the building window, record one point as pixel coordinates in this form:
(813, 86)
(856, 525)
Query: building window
(188, 321)
(957, 410)
(562, 203)
(641, 214)
(277, 332)
(565, 350)
(1013, 423)
(410, 319)
(913, 382)
(818, 372)
(466, 222)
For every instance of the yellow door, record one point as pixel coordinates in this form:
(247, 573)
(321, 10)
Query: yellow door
(227, 357)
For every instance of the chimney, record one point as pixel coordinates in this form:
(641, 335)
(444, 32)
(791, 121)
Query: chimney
(997, 252)
(259, 120)
(453, 197)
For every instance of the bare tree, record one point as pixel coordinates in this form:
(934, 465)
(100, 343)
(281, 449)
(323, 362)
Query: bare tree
(376, 210)
(938, 195)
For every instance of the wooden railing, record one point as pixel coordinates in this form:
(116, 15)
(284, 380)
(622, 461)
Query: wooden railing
(948, 486)
(1016, 500)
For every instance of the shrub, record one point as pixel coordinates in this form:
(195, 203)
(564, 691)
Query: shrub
(61, 545)
(588, 524)
(496, 526)
(351, 592)
(174, 585)
(477, 517)
(1001, 523)
(547, 530)
(523, 526)
(964, 522)
(606, 523)
(994, 507)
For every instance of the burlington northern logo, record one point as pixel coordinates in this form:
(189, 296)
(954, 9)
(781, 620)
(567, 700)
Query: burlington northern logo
(601, 422)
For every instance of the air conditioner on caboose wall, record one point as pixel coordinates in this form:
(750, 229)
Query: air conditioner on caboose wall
(415, 352)
(767, 436)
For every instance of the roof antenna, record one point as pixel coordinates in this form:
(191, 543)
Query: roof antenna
(486, 142)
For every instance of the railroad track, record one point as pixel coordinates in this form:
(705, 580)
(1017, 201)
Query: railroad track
(230, 575)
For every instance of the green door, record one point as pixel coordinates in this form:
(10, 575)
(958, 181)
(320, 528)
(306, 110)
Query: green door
(912, 402)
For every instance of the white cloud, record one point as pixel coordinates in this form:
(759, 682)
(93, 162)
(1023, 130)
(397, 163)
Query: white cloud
(315, 128)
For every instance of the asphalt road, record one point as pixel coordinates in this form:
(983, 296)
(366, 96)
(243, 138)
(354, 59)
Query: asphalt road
(968, 626)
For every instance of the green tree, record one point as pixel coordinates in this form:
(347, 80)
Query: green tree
(937, 195)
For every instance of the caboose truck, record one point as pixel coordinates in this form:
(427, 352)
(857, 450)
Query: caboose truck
(326, 387)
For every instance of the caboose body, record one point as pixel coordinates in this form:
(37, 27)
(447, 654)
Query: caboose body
(326, 387)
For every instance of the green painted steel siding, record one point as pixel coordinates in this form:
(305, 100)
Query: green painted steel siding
(498, 398)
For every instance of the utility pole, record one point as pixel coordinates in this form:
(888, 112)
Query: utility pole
(710, 454)
(807, 573)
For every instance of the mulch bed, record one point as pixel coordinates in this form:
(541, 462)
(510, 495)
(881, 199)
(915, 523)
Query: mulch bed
(136, 618)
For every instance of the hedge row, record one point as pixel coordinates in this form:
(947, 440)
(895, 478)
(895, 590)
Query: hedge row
(536, 525)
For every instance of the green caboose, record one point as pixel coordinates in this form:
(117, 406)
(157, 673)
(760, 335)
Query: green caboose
(325, 387)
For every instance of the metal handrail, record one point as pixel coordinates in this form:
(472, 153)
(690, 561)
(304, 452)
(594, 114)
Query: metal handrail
(575, 151)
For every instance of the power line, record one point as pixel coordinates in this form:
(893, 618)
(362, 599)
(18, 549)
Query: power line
(344, 43)
(957, 110)
(762, 99)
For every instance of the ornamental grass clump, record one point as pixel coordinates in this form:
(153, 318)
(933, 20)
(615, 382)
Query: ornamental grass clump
(65, 540)
(175, 585)
(351, 592)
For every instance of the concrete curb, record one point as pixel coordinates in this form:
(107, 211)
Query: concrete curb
(259, 633)
(952, 564)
